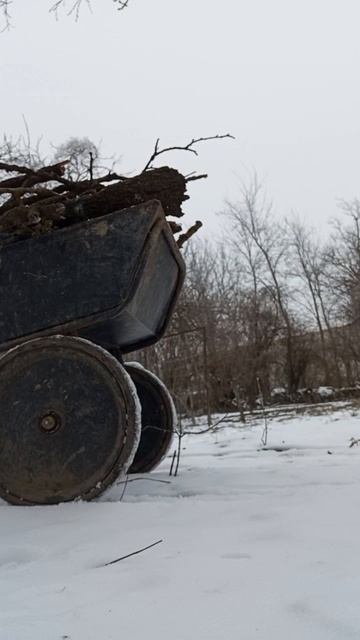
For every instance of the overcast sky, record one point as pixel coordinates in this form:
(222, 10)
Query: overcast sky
(281, 75)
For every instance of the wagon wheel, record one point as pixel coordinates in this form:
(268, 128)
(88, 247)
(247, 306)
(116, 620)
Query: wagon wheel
(158, 418)
(69, 421)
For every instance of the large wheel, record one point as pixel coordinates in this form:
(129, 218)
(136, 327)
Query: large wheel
(158, 418)
(69, 421)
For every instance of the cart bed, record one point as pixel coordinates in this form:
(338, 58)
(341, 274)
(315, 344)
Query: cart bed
(112, 279)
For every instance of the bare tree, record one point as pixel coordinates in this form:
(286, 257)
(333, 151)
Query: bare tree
(344, 257)
(21, 150)
(309, 266)
(214, 300)
(253, 226)
(83, 158)
(343, 278)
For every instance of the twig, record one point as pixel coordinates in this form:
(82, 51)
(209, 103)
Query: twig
(212, 427)
(134, 553)
(172, 463)
(264, 435)
(354, 442)
(187, 147)
(4, 7)
(180, 434)
(125, 486)
(127, 481)
(91, 166)
(122, 4)
(75, 8)
(192, 178)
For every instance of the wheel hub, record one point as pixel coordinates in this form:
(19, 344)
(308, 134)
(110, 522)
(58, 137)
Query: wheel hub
(50, 422)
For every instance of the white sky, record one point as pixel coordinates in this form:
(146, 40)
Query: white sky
(280, 75)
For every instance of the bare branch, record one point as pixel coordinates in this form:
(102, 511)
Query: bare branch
(121, 4)
(354, 442)
(192, 178)
(172, 463)
(74, 9)
(187, 147)
(77, 4)
(21, 151)
(209, 429)
(4, 7)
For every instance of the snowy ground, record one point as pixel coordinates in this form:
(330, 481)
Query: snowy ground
(256, 545)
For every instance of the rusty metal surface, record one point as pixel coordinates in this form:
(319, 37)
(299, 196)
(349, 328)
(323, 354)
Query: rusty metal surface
(67, 422)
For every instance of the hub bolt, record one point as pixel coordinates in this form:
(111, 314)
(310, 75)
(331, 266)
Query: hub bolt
(49, 422)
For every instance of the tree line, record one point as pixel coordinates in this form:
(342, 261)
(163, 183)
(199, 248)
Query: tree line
(269, 309)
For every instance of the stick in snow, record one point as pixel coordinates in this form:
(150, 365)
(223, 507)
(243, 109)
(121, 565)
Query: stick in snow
(134, 553)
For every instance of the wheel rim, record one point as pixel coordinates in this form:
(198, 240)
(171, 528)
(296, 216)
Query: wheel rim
(68, 422)
(158, 419)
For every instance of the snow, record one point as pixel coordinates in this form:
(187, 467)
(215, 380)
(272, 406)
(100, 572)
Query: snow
(277, 391)
(257, 544)
(326, 392)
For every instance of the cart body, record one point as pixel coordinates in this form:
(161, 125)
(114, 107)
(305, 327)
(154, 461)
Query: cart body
(113, 280)
(71, 419)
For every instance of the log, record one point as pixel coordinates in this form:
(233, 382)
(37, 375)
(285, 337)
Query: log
(164, 184)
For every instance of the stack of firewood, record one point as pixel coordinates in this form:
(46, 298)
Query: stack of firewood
(36, 201)
(42, 200)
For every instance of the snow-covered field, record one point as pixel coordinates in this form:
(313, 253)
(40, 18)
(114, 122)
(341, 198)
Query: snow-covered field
(256, 545)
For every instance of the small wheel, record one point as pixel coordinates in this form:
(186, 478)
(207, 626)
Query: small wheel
(158, 418)
(69, 421)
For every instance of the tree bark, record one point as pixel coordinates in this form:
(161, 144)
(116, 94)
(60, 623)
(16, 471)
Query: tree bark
(164, 184)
